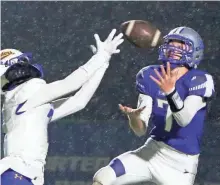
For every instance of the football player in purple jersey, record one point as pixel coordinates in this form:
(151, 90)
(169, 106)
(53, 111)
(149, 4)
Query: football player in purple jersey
(174, 95)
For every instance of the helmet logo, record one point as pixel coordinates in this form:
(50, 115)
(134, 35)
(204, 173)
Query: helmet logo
(6, 54)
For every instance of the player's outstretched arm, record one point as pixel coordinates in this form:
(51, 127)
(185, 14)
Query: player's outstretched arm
(139, 117)
(80, 99)
(49, 92)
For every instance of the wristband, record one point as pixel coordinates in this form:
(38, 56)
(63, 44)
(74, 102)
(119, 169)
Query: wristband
(175, 101)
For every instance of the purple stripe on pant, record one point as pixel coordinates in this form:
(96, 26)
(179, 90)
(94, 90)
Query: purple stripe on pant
(11, 177)
(118, 167)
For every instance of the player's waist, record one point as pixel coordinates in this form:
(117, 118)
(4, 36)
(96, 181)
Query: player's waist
(175, 158)
(188, 146)
(27, 151)
(170, 151)
(30, 170)
(34, 160)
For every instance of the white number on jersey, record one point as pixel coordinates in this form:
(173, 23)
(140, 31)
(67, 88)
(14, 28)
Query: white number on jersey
(169, 118)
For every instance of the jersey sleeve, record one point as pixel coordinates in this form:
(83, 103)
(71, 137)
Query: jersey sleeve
(143, 82)
(202, 85)
(73, 104)
(147, 101)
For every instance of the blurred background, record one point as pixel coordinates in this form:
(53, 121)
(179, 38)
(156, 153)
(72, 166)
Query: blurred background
(59, 34)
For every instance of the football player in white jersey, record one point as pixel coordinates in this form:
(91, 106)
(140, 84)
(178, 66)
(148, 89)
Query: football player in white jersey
(30, 104)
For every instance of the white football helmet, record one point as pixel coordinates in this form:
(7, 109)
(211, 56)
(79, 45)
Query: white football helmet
(8, 58)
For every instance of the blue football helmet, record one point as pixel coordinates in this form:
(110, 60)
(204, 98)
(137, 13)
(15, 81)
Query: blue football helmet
(191, 55)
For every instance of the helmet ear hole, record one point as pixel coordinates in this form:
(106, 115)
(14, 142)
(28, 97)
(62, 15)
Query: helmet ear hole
(25, 60)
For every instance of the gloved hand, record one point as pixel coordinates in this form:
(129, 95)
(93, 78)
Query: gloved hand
(109, 45)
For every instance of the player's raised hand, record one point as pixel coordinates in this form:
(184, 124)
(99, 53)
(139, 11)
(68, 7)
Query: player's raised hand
(167, 80)
(110, 45)
(130, 111)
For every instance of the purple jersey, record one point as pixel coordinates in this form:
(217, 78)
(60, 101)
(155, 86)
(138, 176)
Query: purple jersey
(185, 139)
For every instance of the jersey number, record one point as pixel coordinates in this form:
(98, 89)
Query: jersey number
(169, 118)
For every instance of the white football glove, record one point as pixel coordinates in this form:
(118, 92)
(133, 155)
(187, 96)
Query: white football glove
(109, 45)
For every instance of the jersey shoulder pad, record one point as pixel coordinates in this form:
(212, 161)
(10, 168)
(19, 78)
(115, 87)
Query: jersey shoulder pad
(143, 81)
(201, 84)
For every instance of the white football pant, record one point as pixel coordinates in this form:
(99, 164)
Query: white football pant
(155, 162)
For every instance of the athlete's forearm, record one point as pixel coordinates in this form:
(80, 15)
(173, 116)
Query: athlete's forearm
(192, 105)
(147, 102)
(75, 80)
(184, 111)
(81, 98)
(71, 83)
(137, 125)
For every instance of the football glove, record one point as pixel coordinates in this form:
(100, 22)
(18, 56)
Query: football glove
(110, 45)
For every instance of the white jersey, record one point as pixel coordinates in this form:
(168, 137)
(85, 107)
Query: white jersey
(31, 106)
(26, 132)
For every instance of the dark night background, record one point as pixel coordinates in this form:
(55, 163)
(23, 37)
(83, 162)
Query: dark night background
(59, 33)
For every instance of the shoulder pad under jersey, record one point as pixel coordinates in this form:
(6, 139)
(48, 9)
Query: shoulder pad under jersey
(201, 84)
(143, 80)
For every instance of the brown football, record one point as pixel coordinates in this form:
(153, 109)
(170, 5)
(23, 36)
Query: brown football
(141, 33)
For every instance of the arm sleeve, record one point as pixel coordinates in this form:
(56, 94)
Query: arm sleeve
(145, 100)
(201, 88)
(73, 104)
(52, 91)
(192, 105)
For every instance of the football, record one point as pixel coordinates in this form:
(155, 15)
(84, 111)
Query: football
(141, 33)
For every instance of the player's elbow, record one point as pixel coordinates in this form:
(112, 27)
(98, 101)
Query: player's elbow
(138, 127)
(183, 124)
(140, 133)
(183, 121)
(82, 105)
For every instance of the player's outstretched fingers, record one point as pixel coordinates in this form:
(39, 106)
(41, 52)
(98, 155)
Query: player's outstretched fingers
(175, 75)
(121, 107)
(111, 35)
(118, 37)
(139, 110)
(163, 71)
(117, 51)
(155, 80)
(125, 109)
(97, 39)
(158, 75)
(93, 49)
(119, 42)
(168, 69)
